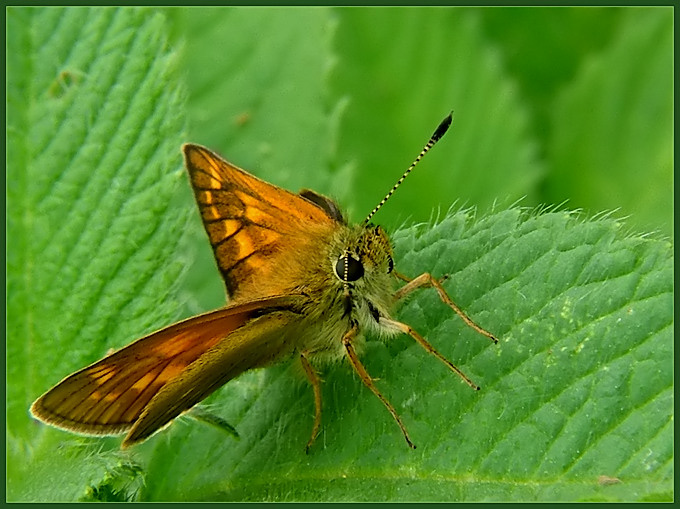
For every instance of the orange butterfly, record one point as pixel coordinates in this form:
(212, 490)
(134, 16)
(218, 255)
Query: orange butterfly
(301, 283)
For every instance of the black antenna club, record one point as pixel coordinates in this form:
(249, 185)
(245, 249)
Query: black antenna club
(436, 136)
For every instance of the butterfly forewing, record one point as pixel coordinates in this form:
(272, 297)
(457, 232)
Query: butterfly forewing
(109, 396)
(246, 220)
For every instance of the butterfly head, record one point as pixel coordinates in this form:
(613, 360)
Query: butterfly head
(367, 248)
(362, 263)
(362, 260)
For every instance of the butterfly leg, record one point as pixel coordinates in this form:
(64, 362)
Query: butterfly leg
(406, 329)
(314, 379)
(426, 279)
(368, 381)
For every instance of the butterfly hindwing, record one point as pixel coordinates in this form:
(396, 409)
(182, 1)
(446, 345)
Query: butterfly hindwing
(258, 343)
(109, 396)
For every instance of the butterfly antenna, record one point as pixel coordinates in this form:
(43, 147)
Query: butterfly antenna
(438, 133)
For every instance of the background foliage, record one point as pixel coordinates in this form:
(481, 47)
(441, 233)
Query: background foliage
(552, 105)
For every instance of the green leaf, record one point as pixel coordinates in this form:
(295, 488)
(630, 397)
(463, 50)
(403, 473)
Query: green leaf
(612, 145)
(95, 125)
(579, 387)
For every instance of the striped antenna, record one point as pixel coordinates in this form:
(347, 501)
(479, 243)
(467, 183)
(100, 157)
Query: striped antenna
(438, 133)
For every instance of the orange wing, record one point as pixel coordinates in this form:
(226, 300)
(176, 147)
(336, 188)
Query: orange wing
(109, 396)
(249, 221)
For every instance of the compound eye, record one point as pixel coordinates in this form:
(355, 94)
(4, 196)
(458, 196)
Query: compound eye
(355, 269)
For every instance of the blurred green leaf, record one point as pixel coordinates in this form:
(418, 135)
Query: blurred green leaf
(403, 70)
(95, 124)
(612, 145)
(544, 47)
(257, 81)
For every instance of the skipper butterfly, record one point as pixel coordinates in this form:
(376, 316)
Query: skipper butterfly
(301, 283)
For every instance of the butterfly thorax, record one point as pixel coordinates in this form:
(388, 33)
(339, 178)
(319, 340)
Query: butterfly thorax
(349, 281)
